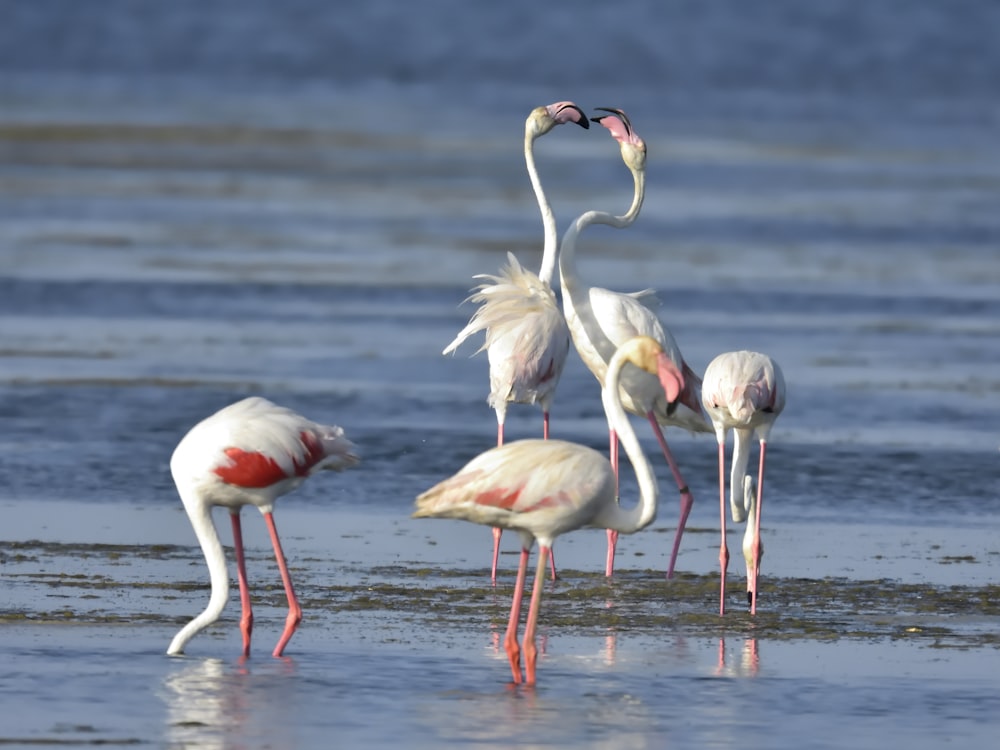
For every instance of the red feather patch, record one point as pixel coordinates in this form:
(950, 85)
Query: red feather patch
(255, 470)
(499, 498)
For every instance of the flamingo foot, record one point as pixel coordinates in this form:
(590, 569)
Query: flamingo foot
(530, 660)
(514, 657)
(291, 624)
(246, 627)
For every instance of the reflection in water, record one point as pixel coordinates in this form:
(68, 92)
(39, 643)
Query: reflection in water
(213, 705)
(748, 664)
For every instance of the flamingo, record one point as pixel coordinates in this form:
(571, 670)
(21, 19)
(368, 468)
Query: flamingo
(526, 335)
(743, 391)
(599, 320)
(249, 453)
(544, 488)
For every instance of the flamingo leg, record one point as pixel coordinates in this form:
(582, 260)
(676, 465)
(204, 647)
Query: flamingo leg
(687, 500)
(530, 650)
(294, 610)
(609, 565)
(757, 547)
(497, 532)
(246, 618)
(510, 638)
(723, 549)
(545, 425)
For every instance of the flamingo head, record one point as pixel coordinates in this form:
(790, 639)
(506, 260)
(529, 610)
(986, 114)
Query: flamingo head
(632, 146)
(647, 354)
(543, 119)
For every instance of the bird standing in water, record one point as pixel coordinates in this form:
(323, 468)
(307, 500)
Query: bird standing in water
(599, 320)
(249, 453)
(544, 488)
(526, 335)
(743, 391)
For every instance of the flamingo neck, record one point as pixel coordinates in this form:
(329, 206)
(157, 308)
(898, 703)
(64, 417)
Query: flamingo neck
(200, 514)
(574, 290)
(548, 218)
(644, 513)
(741, 457)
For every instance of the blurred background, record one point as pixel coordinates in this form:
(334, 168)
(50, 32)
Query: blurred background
(200, 200)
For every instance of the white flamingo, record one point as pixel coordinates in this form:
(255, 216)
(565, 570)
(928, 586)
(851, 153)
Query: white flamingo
(544, 488)
(526, 335)
(600, 320)
(249, 453)
(743, 391)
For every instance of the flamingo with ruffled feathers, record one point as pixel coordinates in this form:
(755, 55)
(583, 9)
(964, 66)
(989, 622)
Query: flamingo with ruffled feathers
(544, 488)
(600, 320)
(744, 392)
(526, 335)
(249, 453)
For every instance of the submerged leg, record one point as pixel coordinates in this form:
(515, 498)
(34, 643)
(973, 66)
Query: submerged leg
(246, 618)
(687, 500)
(510, 638)
(294, 610)
(530, 650)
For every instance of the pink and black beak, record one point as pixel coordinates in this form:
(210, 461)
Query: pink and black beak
(580, 118)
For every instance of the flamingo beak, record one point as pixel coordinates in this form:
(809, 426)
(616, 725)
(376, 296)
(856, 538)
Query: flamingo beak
(582, 120)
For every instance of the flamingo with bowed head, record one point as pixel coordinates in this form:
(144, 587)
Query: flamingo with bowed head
(526, 335)
(743, 391)
(544, 488)
(249, 453)
(600, 320)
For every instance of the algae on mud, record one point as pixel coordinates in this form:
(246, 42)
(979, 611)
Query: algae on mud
(142, 584)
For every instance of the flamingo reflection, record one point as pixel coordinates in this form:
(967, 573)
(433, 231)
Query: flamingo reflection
(748, 664)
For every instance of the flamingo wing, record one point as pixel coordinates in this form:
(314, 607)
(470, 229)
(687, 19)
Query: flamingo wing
(541, 486)
(254, 443)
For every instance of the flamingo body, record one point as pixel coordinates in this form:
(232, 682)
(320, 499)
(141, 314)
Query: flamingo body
(544, 488)
(249, 453)
(527, 339)
(743, 391)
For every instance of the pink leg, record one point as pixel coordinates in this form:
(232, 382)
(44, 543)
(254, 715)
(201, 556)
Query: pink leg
(545, 435)
(497, 533)
(757, 546)
(723, 549)
(510, 638)
(609, 564)
(294, 610)
(246, 619)
(530, 650)
(687, 501)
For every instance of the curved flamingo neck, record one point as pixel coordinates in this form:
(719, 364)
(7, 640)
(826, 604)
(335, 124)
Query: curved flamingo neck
(573, 287)
(551, 242)
(200, 514)
(644, 513)
(567, 249)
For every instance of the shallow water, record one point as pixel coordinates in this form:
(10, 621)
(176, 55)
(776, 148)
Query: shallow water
(200, 203)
